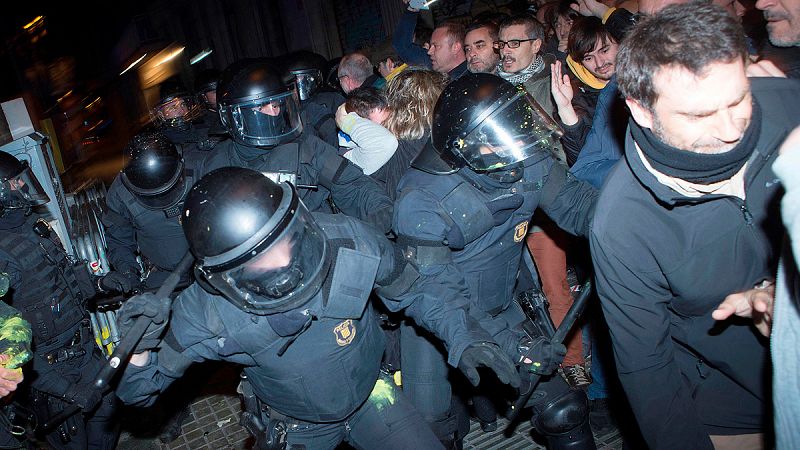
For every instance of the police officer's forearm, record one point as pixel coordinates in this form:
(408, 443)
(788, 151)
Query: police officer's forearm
(568, 201)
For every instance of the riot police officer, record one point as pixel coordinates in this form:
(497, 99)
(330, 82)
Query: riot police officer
(143, 211)
(205, 86)
(262, 115)
(179, 117)
(50, 290)
(285, 293)
(317, 106)
(462, 215)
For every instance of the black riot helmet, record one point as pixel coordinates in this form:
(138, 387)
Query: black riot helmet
(256, 106)
(305, 69)
(176, 107)
(205, 85)
(254, 241)
(154, 172)
(484, 122)
(19, 188)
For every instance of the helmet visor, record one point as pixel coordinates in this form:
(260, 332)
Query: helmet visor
(176, 112)
(264, 122)
(517, 130)
(22, 190)
(307, 83)
(281, 277)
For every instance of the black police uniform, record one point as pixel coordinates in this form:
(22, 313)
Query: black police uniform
(319, 112)
(200, 134)
(291, 305)
(155, 233)
(262, 115)
(197, 129)
(50, 291)
(317, 107)
(465, 233)
(320, 174)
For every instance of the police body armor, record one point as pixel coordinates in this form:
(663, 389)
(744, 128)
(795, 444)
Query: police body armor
(319, 113)
(295, 162)
(51, 298)
(159, 235)
(490, 254)
(202, 134)
(320, 370)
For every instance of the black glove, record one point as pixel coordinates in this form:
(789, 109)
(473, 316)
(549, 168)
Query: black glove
(85, 395)
(488, 355)
(123, 282)
(544, 355)
(147, 305)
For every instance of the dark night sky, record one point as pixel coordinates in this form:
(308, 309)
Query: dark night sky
(86, 30)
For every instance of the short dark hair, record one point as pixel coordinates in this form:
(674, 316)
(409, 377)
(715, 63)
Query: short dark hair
(454, 30)
(362, 100)
(584, 35)
(562, 9)
(490, 26)
(533, 28)
(691, 36)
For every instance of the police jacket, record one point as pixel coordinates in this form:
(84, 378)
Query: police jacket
(490, 219)
(50, 292)
(157, 234)
(201, 134)
(319, 173)
(319, 114)
(664, 262)
(390, 174)
(322, 372)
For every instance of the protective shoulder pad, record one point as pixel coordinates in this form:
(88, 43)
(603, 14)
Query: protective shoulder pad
(468, 212)
(352, 282)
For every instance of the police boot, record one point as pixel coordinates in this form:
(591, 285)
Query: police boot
(174, 427)
(565, 422)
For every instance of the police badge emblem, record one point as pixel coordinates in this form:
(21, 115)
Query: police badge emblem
(345, 332)
(520, 231)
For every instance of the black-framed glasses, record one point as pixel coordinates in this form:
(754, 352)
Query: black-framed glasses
(513, 43)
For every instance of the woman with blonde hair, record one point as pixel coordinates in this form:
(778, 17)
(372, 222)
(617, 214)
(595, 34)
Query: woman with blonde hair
(412, 96)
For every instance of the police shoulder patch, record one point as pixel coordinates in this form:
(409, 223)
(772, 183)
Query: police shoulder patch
(345, 332)
(520, 231)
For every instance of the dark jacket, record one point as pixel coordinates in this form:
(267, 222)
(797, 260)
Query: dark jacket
(156, 234)
(458, 71)
(389, 174)
(319, 116)
(321, 175)
(605, 139)
(433, 212)
(403, 41)
(584, 102)
(50, 292)
(619, 22)
(329, 368)
(664, 262)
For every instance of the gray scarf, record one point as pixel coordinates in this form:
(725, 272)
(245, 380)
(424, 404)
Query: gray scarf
(523, 75)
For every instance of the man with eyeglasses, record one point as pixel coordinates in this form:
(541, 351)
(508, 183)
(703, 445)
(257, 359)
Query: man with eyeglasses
(521, 39)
